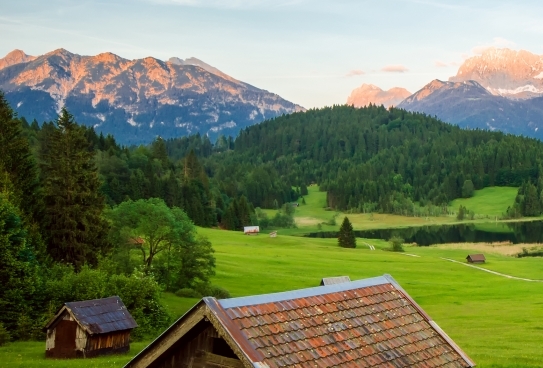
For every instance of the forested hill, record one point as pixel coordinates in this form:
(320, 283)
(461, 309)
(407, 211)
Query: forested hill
(379, 159)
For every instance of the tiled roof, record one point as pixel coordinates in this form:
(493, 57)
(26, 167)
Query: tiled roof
(100, 316)
(365, 323)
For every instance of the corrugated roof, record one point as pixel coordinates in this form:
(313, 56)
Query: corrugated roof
(334, 280)
(364, 323)
(100, 316)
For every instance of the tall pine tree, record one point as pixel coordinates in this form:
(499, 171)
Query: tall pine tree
(18, 163)
(346, 238)
(74, 205)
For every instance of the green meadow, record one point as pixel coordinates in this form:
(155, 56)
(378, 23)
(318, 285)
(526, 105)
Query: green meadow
(497, 321)
(491, 201)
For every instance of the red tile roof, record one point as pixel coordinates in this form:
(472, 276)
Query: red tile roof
(364, 323)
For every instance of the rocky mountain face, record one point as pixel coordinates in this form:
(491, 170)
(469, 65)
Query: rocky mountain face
(504, 72)
(368, 93)
(500, 89)
(135, 100)
(470, 105)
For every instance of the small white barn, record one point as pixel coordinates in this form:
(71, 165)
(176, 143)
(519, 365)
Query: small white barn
(251, 230)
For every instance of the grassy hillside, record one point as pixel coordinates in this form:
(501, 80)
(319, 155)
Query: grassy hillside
(492, 201)
(486, 203)
(497, 321)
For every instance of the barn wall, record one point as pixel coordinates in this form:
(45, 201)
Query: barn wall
(114, 342)
(193, 350)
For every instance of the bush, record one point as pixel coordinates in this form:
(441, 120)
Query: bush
(188, 293)
(212, 290)
(396, 244)
(4, 335)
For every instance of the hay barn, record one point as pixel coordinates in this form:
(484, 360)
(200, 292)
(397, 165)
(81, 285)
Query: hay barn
(364, 323)
(476, 258)
(89, 328)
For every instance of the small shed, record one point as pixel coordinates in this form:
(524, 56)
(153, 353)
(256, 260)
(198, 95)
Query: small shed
(273, 234)
(89, 328)
(335, 280)
(251, 230)
(476, 258)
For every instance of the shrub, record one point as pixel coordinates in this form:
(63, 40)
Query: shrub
(4, 335)
(188, 293)
(396, 244)
(212, 290)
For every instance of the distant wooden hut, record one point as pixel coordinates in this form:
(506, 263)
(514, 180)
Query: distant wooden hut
(89, 328)
(335, 280)
(476, 258)
(251, 230)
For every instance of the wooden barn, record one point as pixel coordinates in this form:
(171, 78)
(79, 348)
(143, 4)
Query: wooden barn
(89, 328)
(251, 230)
(364, 323)
(334, 280)
(476, 258)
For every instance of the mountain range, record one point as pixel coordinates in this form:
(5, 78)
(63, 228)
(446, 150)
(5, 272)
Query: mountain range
(500, 89)
(369, 93)
(135, 100)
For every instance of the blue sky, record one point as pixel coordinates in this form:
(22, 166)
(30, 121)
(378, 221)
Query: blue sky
(311, 52)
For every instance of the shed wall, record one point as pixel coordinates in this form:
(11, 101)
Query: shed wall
(201, 347)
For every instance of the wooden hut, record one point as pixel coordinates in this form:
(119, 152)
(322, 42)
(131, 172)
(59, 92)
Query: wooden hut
(251, 230)
(335, 280)
(89, 328)
(476, 258)
(364, 323)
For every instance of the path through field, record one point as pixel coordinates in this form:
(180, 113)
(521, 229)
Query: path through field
(493, 272)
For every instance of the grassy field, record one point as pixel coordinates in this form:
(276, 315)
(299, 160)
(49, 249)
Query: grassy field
(486, 203)
(497, 321)
(492, 201)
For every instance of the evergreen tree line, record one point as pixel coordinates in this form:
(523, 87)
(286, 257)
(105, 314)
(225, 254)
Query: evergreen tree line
(377, 159)
(64, 238)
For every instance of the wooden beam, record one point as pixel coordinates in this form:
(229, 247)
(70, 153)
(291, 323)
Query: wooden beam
(207, 359)
(168, 339)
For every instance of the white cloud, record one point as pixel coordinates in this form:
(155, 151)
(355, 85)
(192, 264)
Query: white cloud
(497, 42)
(355, 72)
(441, 64)
(398, 68)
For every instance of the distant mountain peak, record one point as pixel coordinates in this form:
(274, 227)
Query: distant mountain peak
(370, 93)
(135, 100)
(197, 62)
(515, 74)
(15, 57)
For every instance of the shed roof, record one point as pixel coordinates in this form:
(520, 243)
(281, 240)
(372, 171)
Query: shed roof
(363, 323)
(98, 316)
(334, 280)
(476, 257)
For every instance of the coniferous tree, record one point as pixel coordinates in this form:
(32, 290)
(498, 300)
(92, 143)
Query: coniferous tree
(18, 162)
(73, 203)
(346, 237)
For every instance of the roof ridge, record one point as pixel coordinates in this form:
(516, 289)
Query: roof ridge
(307, 292)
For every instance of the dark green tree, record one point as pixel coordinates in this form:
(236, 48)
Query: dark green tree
(467, 189)
(18, 162)
(346, 237)
(77, 231)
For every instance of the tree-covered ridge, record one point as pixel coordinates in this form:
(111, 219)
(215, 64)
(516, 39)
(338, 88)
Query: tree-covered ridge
(385, 159)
